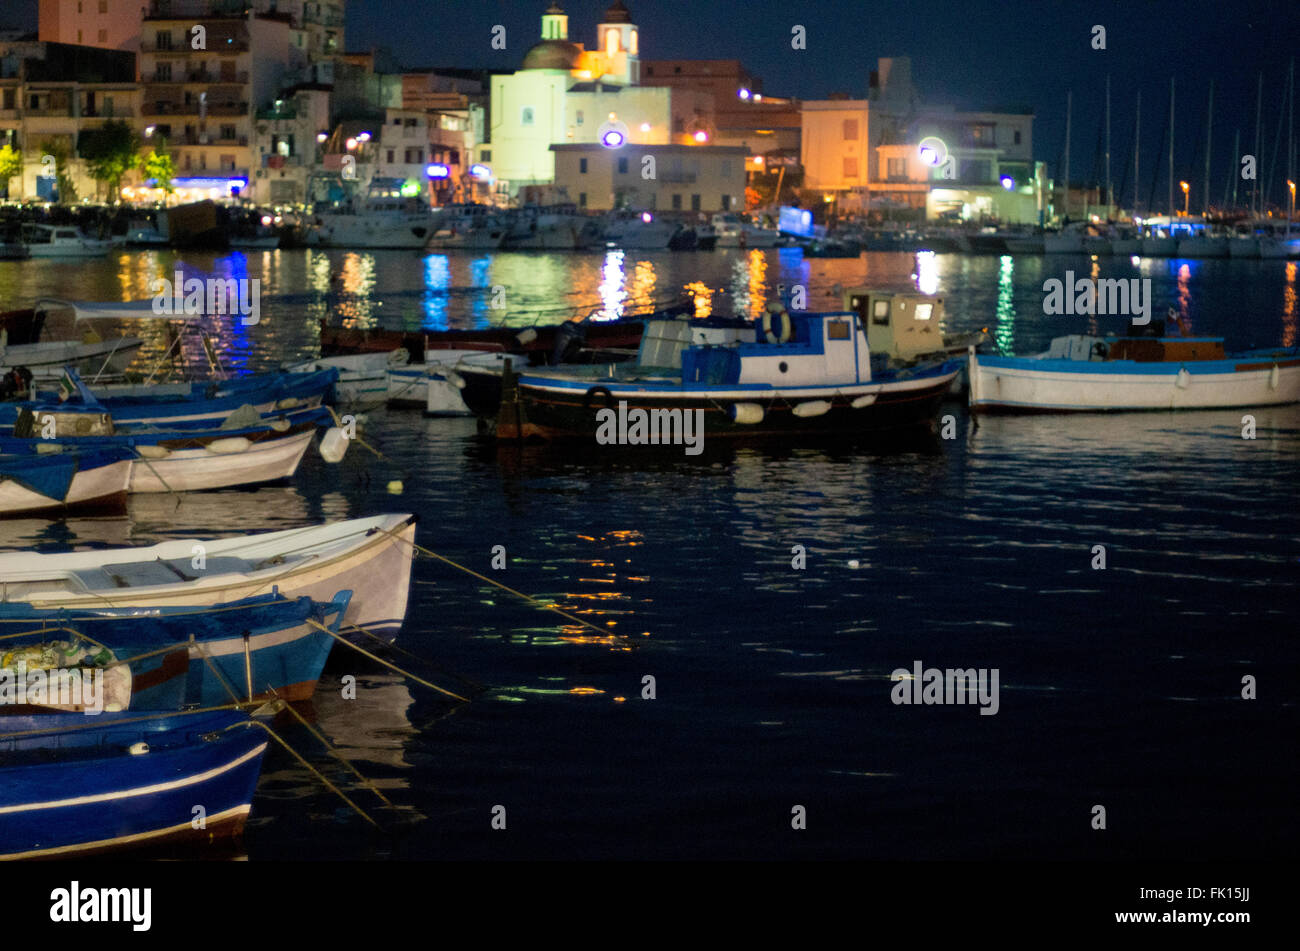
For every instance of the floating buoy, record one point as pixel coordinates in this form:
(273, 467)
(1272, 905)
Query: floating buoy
(289, 402)
(853, 563)
(812, 408)
(1273, 377)
(153, 452)
(746, 413)
(138, 749)
(454, 378)
(229, 446)
(280, 425)
(395, 487)
(526, 337)
(1183, 380)
(866, 399)
(334, 444)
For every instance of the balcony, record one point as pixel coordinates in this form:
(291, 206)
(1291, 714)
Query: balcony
(216, 45)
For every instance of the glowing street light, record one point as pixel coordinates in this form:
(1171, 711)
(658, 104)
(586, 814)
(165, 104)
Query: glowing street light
(1291, 188)
(482, 172)
(436, 170)
(612, 139)
(743, 93)
(351, 144)
(1187, 190)
(363, 137)
(701, 136)
(1008, 182)
(321, 137)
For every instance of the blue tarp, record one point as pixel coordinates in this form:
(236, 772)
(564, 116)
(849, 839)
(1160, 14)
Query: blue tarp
(51, 475)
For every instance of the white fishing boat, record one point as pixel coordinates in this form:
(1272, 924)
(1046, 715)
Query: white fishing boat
(469, 226)
(62, 241)
(409, 385)
(363, 377)
(370, 556)
(638, 231)
(382, 218)
(93, 356)
(1083, 373)
(444, 382)
(38, 481)
(740, 231)
(558, 227)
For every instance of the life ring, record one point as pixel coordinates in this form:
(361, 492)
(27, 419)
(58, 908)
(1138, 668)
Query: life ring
(786, 331)
(590, 395)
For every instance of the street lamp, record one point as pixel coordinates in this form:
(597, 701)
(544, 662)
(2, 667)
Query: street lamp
(1291, 188)
(1186, 195)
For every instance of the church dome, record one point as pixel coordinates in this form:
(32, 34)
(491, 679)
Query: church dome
(553, 54)
(617, 13)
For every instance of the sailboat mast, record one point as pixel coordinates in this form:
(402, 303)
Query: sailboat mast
(1235, 174)
(1137, 143)
(1209, 126)
(1069, 108)
(1259, 105)
(1109, 197)
(1170, 205)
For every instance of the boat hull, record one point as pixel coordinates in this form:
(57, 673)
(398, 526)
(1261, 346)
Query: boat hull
(100, 485)
(553, 411)
(373, 561)
(102, 797)
(1028, 385)
(198, 469)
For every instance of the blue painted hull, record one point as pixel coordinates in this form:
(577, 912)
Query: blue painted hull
(285, 653)
(77, 788)
(208, 402)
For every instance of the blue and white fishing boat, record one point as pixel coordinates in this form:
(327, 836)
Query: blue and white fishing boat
(797, 374)
(237, 651)
(43, 482)
(246, 450)
(369, 556)
(166, 404)
(1082, 373)
(72, 785)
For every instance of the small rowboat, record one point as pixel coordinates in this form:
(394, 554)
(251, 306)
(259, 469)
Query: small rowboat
(90, 477)
(370, 556)
(1081, 373)
(76, 785)
(246, 648)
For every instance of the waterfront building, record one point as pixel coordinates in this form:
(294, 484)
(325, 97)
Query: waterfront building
(687, 178)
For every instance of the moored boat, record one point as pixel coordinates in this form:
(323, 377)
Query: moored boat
(32, 482)
(75, 785)
(369, 556)
(1083, 373)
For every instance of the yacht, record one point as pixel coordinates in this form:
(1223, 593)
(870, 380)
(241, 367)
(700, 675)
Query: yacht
(739, 231)
(61, 241)
(382, 218)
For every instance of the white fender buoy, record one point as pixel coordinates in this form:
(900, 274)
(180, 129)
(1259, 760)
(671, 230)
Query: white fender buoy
(334, 444)
(526, 336)
(153, 452)
(138, 749)
(454, 378)
(1273, 378)
(280, 425)
(812, 408)
(1183, 380)
(866, 399)
(44, 448)
(230, 446)
(289, 402)
(746, 413)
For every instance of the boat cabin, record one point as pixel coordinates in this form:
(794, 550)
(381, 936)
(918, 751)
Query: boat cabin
(1138, 349)
(902, 324)
(823, 349)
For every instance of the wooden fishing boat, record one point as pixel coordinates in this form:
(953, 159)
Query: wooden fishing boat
(369, 556)
(803, 375)
(247, 648)
(34, 482)
(362, 377)
(75, 785)
(1082, 373)
(183, 459)
(166, 404)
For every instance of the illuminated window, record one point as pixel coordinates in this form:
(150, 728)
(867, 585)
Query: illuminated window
(923, 311)
(611, 41)
(633, 48)
(880, 313)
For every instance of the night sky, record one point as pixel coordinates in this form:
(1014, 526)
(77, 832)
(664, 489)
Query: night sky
(975, 55)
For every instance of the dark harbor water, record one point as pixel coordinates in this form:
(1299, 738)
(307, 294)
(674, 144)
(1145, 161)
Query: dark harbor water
(1118, 687)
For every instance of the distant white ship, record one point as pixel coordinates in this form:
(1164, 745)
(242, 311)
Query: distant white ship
(383, 218)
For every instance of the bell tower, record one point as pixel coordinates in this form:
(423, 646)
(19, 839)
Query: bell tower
(619, 43)
(555, 23)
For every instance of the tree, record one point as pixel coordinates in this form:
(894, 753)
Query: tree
(11, 166)
(63, 181)
(158, 165)
(109, 152)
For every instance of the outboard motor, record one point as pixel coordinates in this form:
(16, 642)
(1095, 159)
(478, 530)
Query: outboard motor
(16, 384)
(569, 338)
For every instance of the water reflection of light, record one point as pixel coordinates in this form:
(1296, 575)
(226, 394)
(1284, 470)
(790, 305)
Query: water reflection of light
(1094, 273)
(641, 290)
(927, 271)
(437, 282)
(702, 297)
(1288, 306)
(352, 285)
(480, 272)
(749, 283)
(611, 288)
(1184, 295)
(1005, 333)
